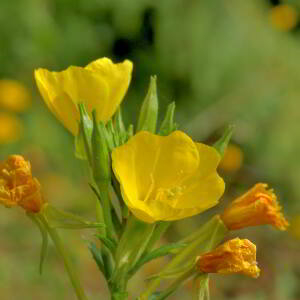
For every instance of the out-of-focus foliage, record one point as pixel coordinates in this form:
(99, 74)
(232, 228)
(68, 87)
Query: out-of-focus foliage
(221, 61)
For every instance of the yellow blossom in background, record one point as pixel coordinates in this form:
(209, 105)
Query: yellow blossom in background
(11, 128)
(234, 256)
(101, 85)
(17, 186)
(258, 206)
(167, 177)
(233, 159)
(284, 17)
(14, 96)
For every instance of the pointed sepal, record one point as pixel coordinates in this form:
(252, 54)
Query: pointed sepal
(168, 125)
(223, 142)
(149, 110)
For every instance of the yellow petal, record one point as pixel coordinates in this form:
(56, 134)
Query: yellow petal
(117, 77)
(57, 100)
(205, 187)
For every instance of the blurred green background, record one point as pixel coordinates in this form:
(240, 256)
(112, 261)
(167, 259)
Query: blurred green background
(223, 62)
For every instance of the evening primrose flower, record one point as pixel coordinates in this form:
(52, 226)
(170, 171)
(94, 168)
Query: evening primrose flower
(14, 96)
(258, 206)
(167, 177)
(11, 128)
(101, 85)
(17, 186)
(234, 256)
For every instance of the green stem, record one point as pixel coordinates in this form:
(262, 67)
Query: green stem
(212, 232)
(176, 284)
(105, 198)
(66, 258)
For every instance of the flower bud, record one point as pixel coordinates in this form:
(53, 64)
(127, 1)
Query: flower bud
(101, 157)
(258, 206)
(83, 138)
(234, 256)
(149, 110)
(18, 187)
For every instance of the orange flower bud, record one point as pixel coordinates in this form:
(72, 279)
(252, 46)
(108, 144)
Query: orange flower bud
(258, 206)
(234, 256)
(17, 186)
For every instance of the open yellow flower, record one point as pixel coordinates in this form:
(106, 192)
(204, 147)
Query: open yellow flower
(258, 206)
(234, 256)
(17, 186)
(167, 177)
(101, 85)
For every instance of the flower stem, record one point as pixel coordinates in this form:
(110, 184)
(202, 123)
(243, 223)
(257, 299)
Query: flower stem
(176, 284)
(66, 258)
(212, 233)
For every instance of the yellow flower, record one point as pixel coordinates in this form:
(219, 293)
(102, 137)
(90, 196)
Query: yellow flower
(101, 85)
(167, 177)
(284, 17)
(14, 96)
(233, 159)
(11, 128)
(17, 186)
(234, 256)
(258, 206)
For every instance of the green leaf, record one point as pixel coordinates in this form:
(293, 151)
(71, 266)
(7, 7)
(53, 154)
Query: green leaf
(97, 255)
(223, 142)
(109, 243)
(44, 234)
(60, 219)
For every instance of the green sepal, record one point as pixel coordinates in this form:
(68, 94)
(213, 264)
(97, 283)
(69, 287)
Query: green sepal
(83, 139)
(130, 131)
(101, 159)
(149, 110)
(109, 243)
(110, 135)
(97, 256)
(120, 128)
(44, 234)
(168, 125)
(172, 248)
(60, 219)
(223, 142)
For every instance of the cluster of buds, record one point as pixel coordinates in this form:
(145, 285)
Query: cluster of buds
(18, 187)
